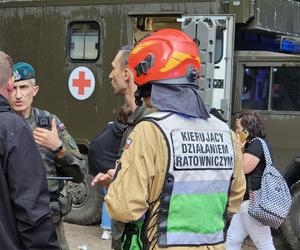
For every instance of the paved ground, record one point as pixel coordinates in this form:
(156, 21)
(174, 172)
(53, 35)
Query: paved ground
(90, 237)
(85, 235)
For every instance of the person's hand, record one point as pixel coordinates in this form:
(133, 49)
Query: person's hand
(47, 138)
(103, 179)
(111, 172)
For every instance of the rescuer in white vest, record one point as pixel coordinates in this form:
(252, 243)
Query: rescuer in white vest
(179, 175)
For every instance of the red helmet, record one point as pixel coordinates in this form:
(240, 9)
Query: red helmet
(165, 54)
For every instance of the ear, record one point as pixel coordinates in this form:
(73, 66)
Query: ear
(126, 74)
(10, 85)
(35, 90)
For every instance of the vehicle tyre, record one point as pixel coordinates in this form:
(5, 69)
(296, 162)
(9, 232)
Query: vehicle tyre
(86, 203)
(291, 227)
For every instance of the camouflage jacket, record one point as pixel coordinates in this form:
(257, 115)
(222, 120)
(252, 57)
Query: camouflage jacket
(71, 165)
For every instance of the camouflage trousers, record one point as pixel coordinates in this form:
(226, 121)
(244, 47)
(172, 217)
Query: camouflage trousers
(60, 231)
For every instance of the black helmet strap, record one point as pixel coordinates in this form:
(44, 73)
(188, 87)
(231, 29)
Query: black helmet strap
(143, 66)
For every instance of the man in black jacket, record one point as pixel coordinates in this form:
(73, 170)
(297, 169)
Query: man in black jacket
(25, 216)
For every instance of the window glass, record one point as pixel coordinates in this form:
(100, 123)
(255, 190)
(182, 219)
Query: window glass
(77, 45)
(84, 40)
(256, 84)
(219, 45)
(286, 88)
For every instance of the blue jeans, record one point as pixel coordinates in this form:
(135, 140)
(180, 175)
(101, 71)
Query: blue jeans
(105, 219)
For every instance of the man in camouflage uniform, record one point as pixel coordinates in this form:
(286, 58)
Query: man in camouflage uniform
(58, 149)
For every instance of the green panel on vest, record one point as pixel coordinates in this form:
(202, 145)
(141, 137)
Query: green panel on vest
(197, 213)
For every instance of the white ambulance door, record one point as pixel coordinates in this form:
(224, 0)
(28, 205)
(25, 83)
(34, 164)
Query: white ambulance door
(215, 37)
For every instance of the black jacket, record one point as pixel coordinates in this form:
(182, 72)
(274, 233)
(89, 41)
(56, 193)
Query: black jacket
(25, 217)
(104, 148)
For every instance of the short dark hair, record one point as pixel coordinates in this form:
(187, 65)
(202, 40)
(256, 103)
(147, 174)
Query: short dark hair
(125, 51)
(6, 68)
(253, 123)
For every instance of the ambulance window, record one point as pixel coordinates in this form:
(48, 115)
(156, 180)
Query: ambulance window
(286, 88)
(83, 42)
(256, 84)
(219, 46)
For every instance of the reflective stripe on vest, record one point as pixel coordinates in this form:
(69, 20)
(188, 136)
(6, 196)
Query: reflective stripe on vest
(195, 194)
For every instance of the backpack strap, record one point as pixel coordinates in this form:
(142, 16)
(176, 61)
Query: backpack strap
(267, 154)
(42, 118)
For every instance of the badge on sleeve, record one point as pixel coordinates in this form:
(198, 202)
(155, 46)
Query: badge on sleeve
(61, 126)
(72, 143)
(127, 143)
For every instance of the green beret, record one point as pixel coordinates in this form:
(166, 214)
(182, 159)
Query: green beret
(23, 71)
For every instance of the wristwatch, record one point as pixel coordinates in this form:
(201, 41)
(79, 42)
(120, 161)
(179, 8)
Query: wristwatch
(55, 151)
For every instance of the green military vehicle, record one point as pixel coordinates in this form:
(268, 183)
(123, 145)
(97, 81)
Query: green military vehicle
(248, 54)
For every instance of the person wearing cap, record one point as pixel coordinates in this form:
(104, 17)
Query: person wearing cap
(180, 173)
(58, 149)
(25, 216)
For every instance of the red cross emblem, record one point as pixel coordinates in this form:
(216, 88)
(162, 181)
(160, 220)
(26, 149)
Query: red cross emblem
(81, 83)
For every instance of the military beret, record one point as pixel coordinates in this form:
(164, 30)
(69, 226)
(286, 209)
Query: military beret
(23, 71)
